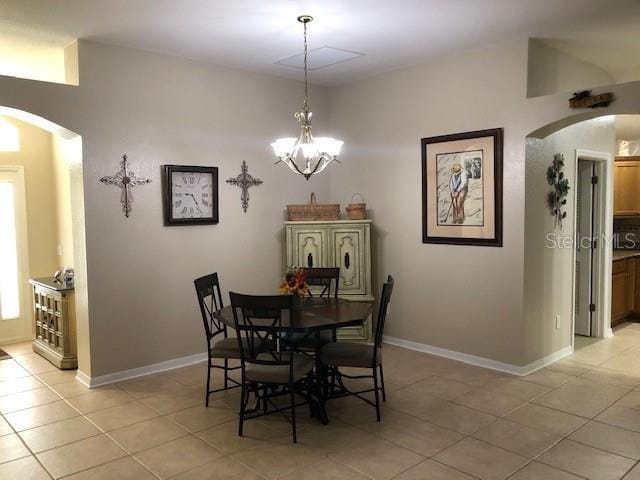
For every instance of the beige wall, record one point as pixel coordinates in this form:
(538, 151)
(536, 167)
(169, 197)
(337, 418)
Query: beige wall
(548, 281)
(36, 157)
(165, 110)
(162, 110)
(463, 299)
(552, 71)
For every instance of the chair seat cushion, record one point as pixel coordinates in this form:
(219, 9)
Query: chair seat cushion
(228, 348)
(256, 372)
(349, 354)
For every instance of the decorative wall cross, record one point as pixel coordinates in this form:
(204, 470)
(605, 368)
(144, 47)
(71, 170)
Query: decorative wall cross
(125, 179)
(244, 181)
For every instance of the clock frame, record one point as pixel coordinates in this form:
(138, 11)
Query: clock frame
(168, 195)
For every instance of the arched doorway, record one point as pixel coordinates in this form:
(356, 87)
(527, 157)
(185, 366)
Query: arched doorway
(43, 186)
(554, 272)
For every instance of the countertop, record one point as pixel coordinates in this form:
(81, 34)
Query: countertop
(51, 283)
(623, 254)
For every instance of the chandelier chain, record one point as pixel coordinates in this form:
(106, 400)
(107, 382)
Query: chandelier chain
(306, 89)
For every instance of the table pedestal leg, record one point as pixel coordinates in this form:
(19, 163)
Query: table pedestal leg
(320, 391)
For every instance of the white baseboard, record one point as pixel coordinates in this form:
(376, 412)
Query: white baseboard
(481, 361)
(11, 341)
(608, 332)
(93, 382)
(83, 379)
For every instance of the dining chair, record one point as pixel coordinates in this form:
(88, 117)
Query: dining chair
(319, 277)
(258, 321)
(219, 345)
(323, 277)
(360, 355)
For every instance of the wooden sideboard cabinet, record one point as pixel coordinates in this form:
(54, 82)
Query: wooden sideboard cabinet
(55, 322)
(626, 191)
(340, 243)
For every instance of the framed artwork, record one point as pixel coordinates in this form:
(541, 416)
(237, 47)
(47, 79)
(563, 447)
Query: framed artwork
(190, 195)
(462, 188)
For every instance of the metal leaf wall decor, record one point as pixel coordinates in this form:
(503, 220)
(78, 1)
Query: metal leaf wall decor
(557, 197)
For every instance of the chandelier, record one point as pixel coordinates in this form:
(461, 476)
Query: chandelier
(316, 153)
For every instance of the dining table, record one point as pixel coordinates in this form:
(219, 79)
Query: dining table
(308, 318)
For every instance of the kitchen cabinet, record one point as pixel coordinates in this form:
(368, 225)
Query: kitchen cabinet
(623, 290)
(626, 186)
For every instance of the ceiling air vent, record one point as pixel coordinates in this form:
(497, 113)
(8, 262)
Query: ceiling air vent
(321, 57)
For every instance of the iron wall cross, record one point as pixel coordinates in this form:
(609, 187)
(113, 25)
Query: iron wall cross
(125, 179)
(244, 181)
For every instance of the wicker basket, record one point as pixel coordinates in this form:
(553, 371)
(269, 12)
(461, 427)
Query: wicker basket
(313, 211)
(357, 211)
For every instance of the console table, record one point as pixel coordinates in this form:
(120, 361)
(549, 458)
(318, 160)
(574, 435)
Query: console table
(55, 322)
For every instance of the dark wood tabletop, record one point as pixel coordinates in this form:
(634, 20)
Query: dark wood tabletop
(313, 314)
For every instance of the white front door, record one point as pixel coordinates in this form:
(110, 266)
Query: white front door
(15, 313)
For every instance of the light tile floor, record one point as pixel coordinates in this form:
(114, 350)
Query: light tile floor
(443, 420)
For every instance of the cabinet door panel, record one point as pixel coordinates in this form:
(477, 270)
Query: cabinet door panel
(619, 297)
(636, 293)
(347, 248)
(626, 188)
(309, 248)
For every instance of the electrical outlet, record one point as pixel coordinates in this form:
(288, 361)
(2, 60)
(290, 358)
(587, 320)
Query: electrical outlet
(557, 322)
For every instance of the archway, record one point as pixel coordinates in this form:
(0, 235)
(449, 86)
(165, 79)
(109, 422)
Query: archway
(550, 280)
(68, 210)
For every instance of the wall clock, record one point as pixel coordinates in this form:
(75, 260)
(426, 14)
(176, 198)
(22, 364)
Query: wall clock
(190, 195)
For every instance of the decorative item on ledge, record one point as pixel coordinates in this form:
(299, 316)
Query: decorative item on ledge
(557, 198)
(356, 211)
(584, 99)
(313, 211)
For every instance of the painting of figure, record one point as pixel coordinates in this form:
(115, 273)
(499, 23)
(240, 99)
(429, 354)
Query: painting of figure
(460, 190)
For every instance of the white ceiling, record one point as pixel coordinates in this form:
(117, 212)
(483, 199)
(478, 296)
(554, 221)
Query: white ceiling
(254, 34)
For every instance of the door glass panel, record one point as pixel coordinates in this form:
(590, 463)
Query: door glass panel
(9, 283)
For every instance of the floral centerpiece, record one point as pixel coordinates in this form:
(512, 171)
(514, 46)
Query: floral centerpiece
(295, 282)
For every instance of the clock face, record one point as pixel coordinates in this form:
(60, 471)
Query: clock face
(190, 195)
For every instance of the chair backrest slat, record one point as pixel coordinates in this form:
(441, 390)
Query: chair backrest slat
(210, 301)
(385, 298)
(323, 277)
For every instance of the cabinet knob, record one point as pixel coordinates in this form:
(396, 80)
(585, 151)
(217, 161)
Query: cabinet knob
(347, 260)
(310, 261)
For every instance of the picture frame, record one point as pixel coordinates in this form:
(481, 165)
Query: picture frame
(190, 195)
(462, 188)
